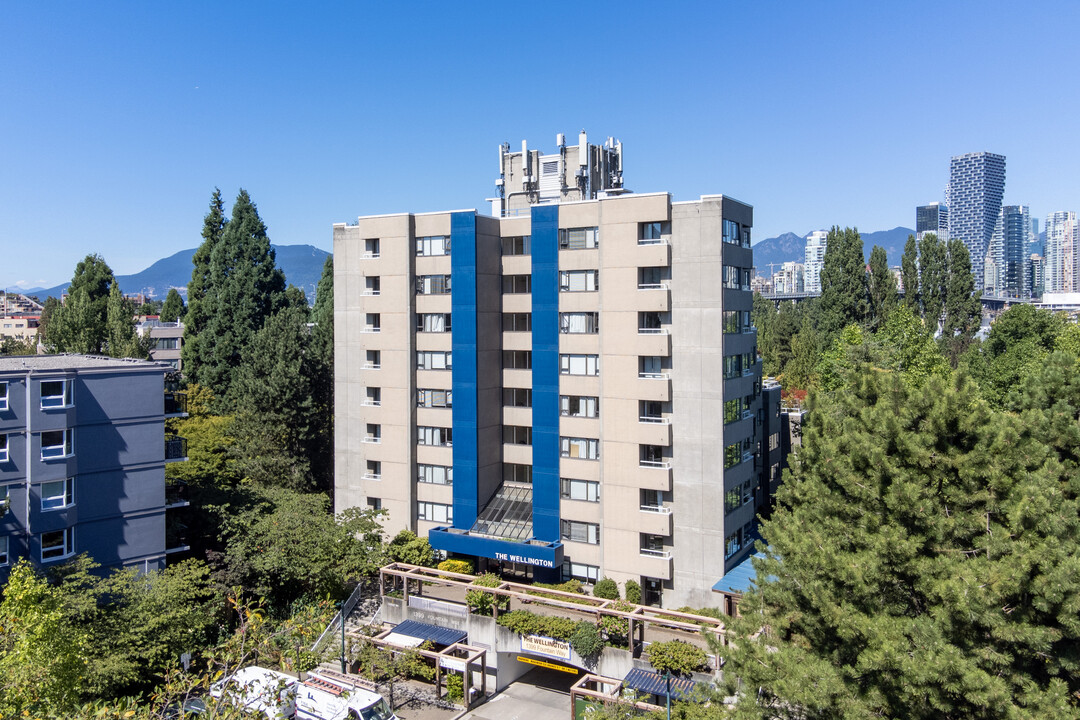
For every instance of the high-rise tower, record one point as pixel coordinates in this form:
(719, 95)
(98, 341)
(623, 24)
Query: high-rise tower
(976, 188)
(1060, 266)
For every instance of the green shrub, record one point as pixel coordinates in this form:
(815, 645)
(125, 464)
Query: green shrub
(459, 566)
(524, 622)
(617, 629)
(586, 639)
(707, 611)
(455, 687)
(407, 547)
(633, 592)
(570, 586)
(607, 589)
(677, 656)
(480, 602)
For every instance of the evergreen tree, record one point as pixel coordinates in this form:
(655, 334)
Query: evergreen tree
(79, 324)
(775, 342)
(882, 288)
(322, 316)
(245, 288)
(909, 272)
(277, 425)
(923, 560)
(173, 309)
(963, 307)
(196, 315)
(121, 338)
(932, 280)
(322, 368)
(843, 281)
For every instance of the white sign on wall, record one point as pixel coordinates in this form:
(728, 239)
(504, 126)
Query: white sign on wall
(541, 645)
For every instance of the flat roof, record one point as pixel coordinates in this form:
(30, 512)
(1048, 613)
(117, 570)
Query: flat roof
(740, 577)
(22, 363)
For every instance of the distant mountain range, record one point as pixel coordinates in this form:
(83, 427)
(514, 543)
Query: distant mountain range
(790, 247)
(302, 265)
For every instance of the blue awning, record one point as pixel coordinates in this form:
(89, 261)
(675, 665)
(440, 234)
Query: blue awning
(434, 633)
(739, 578)
(653, 683)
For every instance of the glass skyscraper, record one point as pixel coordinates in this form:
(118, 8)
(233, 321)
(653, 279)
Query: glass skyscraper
(974, 194)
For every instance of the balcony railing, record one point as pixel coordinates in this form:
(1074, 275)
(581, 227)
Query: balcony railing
(659, 509)
(662, 464)
(175, 403)
(654, 375)
(176, 495)
(371, 476)
(653, 286)
(653, 331)
(648, 552)
(175, 447)
(371, 403)
(372, 439)
(655, 420)
(371, 366)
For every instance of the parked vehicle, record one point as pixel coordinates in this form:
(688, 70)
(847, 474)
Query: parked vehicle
(321, 698)
(259, 691)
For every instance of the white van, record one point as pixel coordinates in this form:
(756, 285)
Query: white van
(259, 691)
(321, 698)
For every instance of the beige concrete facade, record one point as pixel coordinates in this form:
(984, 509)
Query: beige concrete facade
(643, 432)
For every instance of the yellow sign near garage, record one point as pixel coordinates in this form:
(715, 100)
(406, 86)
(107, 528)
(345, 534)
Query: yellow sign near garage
(549, 666)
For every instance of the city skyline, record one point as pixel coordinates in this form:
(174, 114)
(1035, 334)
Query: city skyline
(124, 118)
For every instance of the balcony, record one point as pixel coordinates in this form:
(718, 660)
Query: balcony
(371, 476)
(371, 439)
(175, 448)
(175, 404)
(653, 475)
(654, 520)
(654, 563)
(176, 495)
(176, 536)
(654, 341)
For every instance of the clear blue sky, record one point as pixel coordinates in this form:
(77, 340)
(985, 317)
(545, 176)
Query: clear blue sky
(118, 119)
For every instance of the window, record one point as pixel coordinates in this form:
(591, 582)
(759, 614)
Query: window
(732, 455)
(735, 234)
(3, 448)
(374, 397)
(651, 411)
(650, 233)
(581, 448)
(374, 433)
(55, 393)
(166, 343)
(433, 322)
(579, 406)
(578, 238)
(653, 277)
(580, 571)
(517, 359)
(372, 285)
(738, 496)
(581, 532)
(653, 323)
(732, 408)
(374, 470)
(579, 281)
(58, 494)
(373, 358)
(373, 323)
(438, 436)
(579, 364)
(515, 473)
(435, 474)
(517, 435)
(56, 444)
(517, 397)
(432, 284)
(736, 541)
(774, 441)
(433, 245)
(57, 544)
(5, 499)
(652, 499)
(737, 321)
(584, 490)
(651, 455)
(434, 398)
(374, 503)
(3, 550)
(520, 245)
(517, 322)
(517, 284)
(737, 278)
(578, 323)
(3, 396)
(371, 247)
(435, 512)
(434, 360)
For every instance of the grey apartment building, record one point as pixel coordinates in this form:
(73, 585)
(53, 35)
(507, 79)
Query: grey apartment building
(82, 460)
(569, 389)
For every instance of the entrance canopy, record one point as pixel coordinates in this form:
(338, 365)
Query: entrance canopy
(412, 633)
(652, 683)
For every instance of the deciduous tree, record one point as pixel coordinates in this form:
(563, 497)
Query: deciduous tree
(881, 288)
(909, 272)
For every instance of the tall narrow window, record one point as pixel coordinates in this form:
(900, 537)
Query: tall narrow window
(3, 448)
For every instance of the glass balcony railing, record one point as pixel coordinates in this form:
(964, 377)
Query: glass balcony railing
(175, 403)
(175, 447)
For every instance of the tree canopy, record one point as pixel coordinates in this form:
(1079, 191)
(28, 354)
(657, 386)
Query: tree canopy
(844, 284)
(173, 308)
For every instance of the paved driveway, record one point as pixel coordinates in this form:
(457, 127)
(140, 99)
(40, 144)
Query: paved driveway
(538, 695)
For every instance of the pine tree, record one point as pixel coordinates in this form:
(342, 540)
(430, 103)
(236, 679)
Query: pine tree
(923, 560)
(195, 318)
(881, 288)
(909, 272)
(933, 272)
(245, 288)
(173, 309)
(963, 308)
(843, 281)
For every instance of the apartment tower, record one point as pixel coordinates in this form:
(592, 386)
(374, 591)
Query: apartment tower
(814, 260)
(932, 218)
(973, 196)
(1060, 271)
(569, 389)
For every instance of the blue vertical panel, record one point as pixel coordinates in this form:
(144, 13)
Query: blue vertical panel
(463, 317)
(545, 371)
